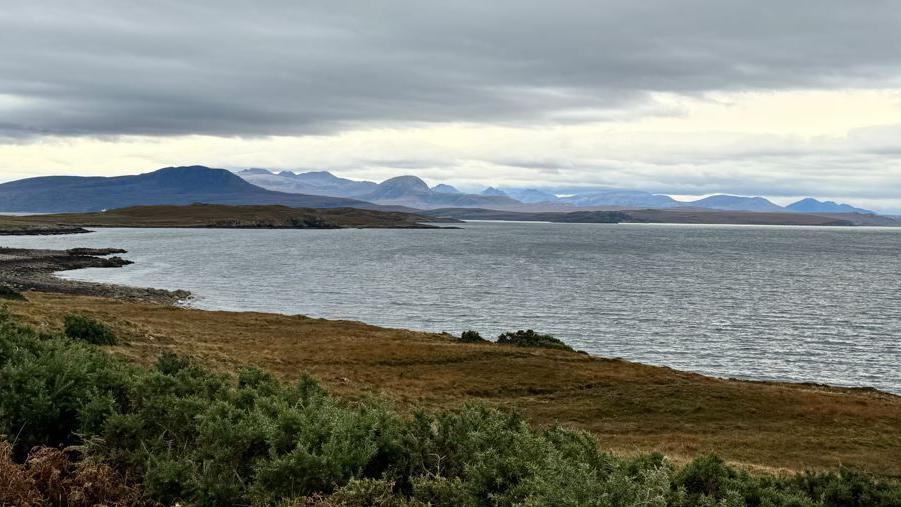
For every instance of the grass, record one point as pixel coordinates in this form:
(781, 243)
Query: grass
(630, 408)
(177, 432)
(219, 216)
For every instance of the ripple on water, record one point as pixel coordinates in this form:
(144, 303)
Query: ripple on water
(785, 303)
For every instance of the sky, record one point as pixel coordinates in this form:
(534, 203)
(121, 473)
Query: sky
(689, 98)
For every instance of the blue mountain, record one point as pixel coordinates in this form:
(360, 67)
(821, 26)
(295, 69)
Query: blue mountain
(171, 185)
(811, 205)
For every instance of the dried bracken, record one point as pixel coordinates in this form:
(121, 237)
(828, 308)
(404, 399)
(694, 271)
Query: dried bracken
(49, 477)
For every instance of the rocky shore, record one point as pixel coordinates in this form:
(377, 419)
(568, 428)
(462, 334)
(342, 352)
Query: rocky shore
(34, 270)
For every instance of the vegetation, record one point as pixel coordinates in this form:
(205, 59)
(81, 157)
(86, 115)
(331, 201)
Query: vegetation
(82, 327)
(181, 433)
(313, 222)
(51, 477)
(215, 216)
(530, 338)
(9, 293)
(472, 337)
(636, 408)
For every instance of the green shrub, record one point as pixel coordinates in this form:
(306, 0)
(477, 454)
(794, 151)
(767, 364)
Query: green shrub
(10, 294)
(530, 338)
(313, 222)
(189, 435)
(84, 328)
(472, 337)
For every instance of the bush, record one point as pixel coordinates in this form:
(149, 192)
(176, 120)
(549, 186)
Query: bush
(530, 338)
(84, 328)
(312, 222)
(472, 337)
(193, 436)
(10, 294)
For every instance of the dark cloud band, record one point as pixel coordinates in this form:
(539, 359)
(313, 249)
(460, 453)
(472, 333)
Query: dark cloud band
(286, 67)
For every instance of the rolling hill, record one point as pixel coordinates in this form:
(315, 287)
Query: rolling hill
(171, 185)
(736, 203)
(407, 190)
(811, 205)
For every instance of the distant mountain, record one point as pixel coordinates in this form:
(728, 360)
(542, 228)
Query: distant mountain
(735, 203)
(811, 205)
(402, 190)
(441, 188)
(493, 192)
(413, 192)
(399, 187)
(171, 185)
(313, 183)
(254, 170)
(616, 197)
(531, 195)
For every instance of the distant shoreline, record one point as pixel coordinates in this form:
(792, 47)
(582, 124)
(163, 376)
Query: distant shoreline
(210, 216)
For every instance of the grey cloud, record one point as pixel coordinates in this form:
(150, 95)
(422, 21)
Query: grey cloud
(284, 67)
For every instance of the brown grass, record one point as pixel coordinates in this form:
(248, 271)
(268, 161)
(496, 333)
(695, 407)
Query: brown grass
(49, 477)
(630, 407)
(218, 216)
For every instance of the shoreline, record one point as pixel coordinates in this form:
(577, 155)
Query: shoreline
(629, 407)
(23, 269)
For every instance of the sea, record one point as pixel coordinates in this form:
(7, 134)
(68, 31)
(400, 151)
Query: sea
(798, 304)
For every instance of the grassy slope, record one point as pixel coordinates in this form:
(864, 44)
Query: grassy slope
(631, 407)
(209, 215)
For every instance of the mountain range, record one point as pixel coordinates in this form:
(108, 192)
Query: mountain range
(409, 191)
(413, 192)
(321, 189)
(171, 185)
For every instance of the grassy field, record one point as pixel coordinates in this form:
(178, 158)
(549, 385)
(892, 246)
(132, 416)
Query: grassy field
(631, 408)
(219, 216)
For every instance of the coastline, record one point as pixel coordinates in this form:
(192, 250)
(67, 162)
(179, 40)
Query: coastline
(629, 407)
(23, 269)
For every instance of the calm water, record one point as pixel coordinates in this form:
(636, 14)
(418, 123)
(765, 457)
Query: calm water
(788, 303)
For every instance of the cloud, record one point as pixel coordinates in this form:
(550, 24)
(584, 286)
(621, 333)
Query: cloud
(692, 97)
(235, 68)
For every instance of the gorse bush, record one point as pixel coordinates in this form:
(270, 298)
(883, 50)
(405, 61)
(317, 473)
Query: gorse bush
(530, 338)
(184, 434)
(82, 327)
(472, 337)
(10, 294)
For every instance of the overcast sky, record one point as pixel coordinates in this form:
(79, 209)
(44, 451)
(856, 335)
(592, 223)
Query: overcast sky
(774, 98)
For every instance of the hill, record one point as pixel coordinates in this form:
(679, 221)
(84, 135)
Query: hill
(171, 185)
(445, 189)
(811, 205)
(408, 191)
(413, 192)
(736, 203)
(616, 197)
(214, 216)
